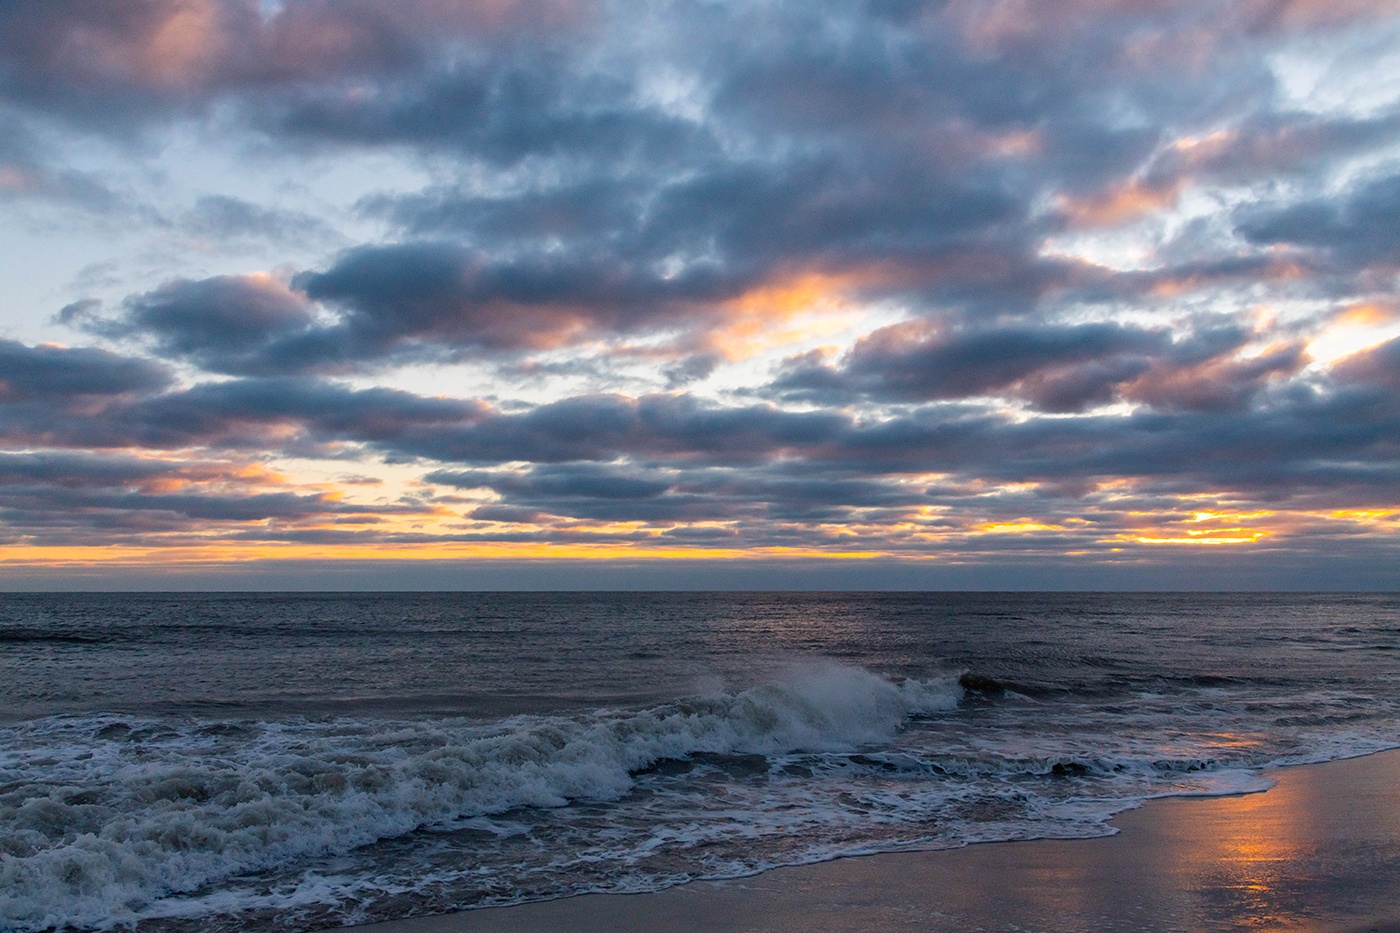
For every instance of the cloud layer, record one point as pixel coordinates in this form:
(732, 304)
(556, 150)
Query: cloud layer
(956, 280)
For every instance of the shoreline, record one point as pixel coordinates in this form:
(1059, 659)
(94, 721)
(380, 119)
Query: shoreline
(1319, 852)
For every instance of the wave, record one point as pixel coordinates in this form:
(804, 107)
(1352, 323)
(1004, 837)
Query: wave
(102, 816)
(17, 635)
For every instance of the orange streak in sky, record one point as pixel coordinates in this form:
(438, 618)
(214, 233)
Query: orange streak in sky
(1204, 539)
(808, 304)
(224, 554)
(1368, 314)
(1021, 526)
(1119, 204)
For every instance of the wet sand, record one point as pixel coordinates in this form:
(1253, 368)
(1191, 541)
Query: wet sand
(1320, 853)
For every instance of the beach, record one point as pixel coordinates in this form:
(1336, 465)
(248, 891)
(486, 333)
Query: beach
(1317, 853)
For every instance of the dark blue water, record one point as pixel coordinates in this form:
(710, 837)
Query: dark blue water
(296, 762)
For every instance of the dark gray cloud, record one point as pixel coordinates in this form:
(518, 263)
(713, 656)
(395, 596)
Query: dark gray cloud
(446, 295)
(502, 107)
(1277, 144)
(588, 482)
(1059, 368)
(1379, 366)
(64, 373)
(758, 494)
(101, 64)
(1361, 227)
(912, 362)
(423, 300)
(224, 324)
(87, 398)
(1220, 383)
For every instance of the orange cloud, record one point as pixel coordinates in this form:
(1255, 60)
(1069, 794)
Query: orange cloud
(1206, 527)
(1120, 204)
(1206, 148)
(1020, 526)
(790, 309)
(1381, 518)
(1368, 314)
(181, 46)
(233, 553)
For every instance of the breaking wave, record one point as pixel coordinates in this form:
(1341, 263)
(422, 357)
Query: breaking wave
(114, 813)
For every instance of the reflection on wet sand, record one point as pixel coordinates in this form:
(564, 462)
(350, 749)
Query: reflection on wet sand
(1319, 853)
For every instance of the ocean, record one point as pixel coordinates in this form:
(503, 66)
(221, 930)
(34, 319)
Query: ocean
(302, 761)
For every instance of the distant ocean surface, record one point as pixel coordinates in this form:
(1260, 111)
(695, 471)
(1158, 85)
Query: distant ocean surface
(294, 762)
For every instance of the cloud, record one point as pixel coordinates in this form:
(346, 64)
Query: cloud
(1176, 24)
(224, 324)
(604, 188)
(1360, 228)
(82, 499)
(675, 468)
(66, 373)
(1225, 382)
(28, 171)
(221, 219)
(1273, 143)
(914, 361)
(503, 106)
(131, 402)
(444, 295)
(1379, 366)
(425, 300)
(1301, 433)
(97, 63)
(1058, 368)
(589, 483)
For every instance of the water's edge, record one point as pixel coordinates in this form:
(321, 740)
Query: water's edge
(600, 911)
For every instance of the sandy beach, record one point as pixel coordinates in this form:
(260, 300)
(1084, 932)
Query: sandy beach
(1320, 852)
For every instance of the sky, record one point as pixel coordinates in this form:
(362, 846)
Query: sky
(431, 294)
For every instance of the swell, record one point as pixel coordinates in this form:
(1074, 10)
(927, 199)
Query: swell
(989, 686)
(14, 635)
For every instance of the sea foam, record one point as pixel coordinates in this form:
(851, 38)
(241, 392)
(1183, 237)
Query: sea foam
(114, 813)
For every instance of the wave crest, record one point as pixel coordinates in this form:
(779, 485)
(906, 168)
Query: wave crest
(113, 814)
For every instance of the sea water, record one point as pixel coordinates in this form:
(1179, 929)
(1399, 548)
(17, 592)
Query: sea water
(296, 762)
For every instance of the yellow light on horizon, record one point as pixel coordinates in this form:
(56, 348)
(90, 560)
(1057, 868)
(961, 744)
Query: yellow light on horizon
(1366, 514)
(1017, 527)
(1201, 537)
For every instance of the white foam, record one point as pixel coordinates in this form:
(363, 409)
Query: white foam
(97, 829)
